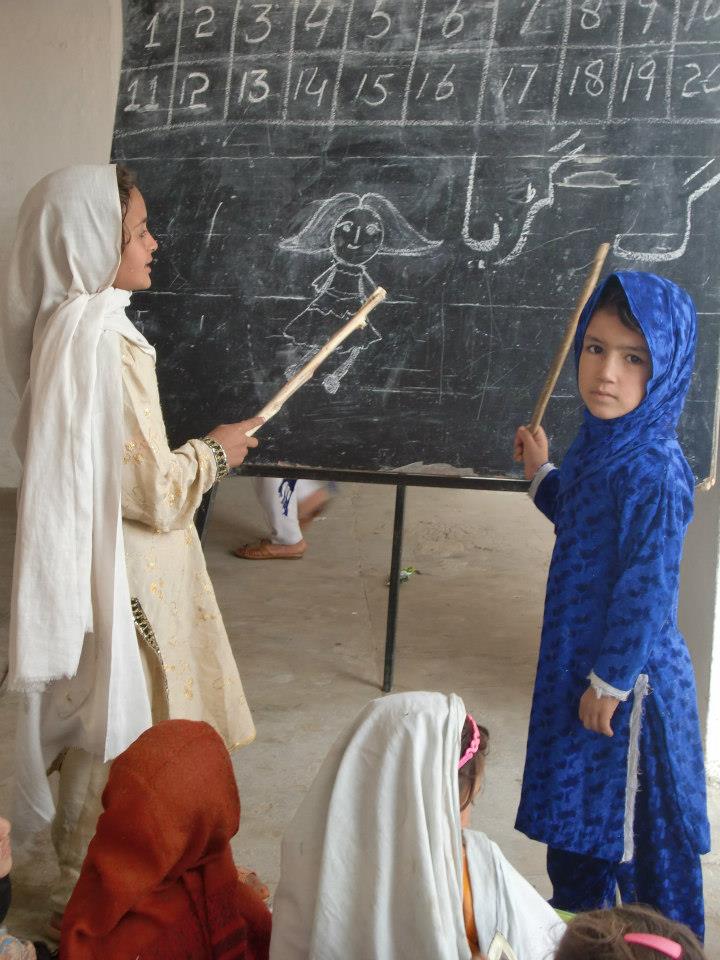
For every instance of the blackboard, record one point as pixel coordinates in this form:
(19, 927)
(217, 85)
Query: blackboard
(467, 155)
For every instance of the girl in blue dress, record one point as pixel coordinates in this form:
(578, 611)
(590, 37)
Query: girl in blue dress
(614, 779)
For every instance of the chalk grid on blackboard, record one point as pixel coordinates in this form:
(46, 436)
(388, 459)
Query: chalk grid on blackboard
(510, 135)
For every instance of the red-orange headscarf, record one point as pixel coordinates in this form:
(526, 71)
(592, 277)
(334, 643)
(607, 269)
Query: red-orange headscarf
(159, 881)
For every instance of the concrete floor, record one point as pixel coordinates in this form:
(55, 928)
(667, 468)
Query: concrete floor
(309, 639)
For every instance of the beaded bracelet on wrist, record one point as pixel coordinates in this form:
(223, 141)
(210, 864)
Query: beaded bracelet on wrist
(221, 463)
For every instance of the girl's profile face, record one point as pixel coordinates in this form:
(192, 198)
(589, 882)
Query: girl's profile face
(135, 262)
(357, 236)
(615, 366)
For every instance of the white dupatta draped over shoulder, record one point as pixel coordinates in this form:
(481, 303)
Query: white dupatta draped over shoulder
(73, 647)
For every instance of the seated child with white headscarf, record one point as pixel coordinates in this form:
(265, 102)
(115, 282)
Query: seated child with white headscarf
(376, 862)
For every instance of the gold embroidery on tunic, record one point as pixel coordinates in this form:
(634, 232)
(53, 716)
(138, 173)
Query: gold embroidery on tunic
(132, 454)
(156, 589)
(204, 617)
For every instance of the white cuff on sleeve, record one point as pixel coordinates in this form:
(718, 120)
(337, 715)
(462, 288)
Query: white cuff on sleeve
(540, 475)
(603, 689)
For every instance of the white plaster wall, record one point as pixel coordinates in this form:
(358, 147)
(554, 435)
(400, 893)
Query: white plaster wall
(699, 615)
(59, 69)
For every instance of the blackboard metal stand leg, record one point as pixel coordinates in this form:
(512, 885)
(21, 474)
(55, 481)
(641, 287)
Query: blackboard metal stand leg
(394, 587)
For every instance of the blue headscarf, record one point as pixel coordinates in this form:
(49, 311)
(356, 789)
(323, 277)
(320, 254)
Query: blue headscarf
(666, 316)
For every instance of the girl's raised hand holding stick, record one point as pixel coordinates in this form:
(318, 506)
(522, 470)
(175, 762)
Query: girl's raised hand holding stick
(234, 439)
(530, 448)
(237, 438)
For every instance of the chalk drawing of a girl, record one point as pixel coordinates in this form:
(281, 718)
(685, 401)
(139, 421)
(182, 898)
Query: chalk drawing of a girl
(352, 229)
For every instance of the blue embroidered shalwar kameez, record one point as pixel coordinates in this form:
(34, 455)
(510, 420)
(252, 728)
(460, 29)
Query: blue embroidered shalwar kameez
(621, 503)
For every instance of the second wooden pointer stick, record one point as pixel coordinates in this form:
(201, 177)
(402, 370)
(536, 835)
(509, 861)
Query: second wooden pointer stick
(560, 356)
(302, 376)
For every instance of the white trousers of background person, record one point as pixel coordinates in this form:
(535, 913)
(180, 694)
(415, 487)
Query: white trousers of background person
(280, 505)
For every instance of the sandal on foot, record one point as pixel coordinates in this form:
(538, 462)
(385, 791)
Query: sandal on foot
(265, 550)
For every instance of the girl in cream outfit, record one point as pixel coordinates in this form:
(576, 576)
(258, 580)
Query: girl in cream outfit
(114, 623)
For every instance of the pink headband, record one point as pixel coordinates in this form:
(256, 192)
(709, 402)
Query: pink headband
(474, 744)
(667, 947)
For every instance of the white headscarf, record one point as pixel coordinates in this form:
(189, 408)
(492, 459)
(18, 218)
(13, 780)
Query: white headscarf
(73, 647)
(372, 861)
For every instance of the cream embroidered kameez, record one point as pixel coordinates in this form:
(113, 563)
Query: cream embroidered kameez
(174, 604)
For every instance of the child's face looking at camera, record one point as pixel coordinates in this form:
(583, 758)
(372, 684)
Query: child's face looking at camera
(614, 366)
(136, 258)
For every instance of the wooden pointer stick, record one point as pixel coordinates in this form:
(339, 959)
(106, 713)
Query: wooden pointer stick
(564, 349)
(302, 376)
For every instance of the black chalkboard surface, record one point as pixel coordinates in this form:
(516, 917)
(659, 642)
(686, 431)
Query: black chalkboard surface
(467, 155)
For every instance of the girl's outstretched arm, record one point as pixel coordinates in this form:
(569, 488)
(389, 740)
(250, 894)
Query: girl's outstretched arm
(322, 282)
(162, 488)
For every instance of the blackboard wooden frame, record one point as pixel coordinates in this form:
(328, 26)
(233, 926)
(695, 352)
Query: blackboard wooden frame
(401, 481)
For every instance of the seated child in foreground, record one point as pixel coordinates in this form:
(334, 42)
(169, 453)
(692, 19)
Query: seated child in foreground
(634, 932)
(159, 881)
(375, 862)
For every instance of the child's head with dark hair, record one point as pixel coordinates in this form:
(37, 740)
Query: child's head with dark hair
(473, 748)
(614, 300)
(600, 935)
(615, 364)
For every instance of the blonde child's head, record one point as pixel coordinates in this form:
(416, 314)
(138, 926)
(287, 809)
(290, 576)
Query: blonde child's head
(633, 932)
